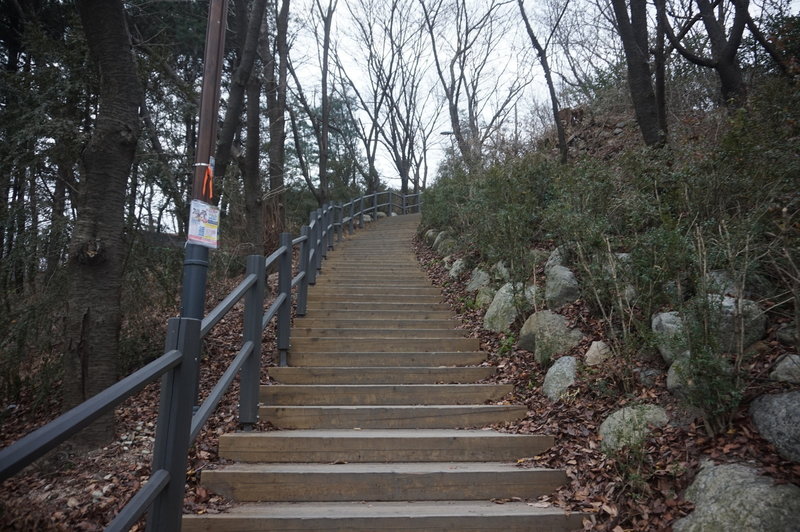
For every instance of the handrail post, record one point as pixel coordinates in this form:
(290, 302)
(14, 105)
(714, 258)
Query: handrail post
(390, 206)
(170, 451)
(405, 204)
(339, 221)
(319, 243)
(323, 218)
(361, 212)
(285, 287)
(311, 272)
(331, 224)
(302, 290)
(375, 206)
(250, 376)
(352, 215)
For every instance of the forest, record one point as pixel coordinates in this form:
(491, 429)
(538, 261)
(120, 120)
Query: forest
(664, 130)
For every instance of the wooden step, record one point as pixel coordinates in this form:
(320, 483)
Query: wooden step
(358, 446)
(384, 293)
(390, 417)
(373, 359)
(362, 332)
(381, 394)
(423, 481)
(310, 323)
(314, 297)
(373, 306)
(383, 345)
(363, 314)
(379, 375)
(439, 516)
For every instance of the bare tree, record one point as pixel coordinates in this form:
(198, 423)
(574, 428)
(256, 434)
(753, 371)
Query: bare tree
(463, 43)
(541, 51)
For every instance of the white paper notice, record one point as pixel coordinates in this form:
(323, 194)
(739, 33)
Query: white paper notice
(203, 224)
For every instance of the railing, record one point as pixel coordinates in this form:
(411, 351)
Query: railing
(179, 422)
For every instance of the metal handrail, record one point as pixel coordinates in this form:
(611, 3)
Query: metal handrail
(179, 423)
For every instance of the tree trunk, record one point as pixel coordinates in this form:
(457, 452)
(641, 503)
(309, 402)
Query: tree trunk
(96, 251)
(253, 204)
(276, 110)
(633, 33)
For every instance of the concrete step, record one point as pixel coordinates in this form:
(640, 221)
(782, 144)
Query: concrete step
(381, 394)
(373, 359)
(390, 417)
(308, 332)
(402, 445)
(423, 481)
(379, 375)
(383, 345)
(439, 516)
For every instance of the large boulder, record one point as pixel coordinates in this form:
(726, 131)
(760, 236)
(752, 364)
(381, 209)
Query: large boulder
(458, 268)
(787, 335)
(787, 369)
(597, 353)
(630, 425)
(724, 312)
(735, 497)
(485, 296)
(670, 336)
(444, 244)
(546, 333)
(559, 377)
(561, 287)
(505, 308)
(478, 280)
(777, 418)
(681, 379)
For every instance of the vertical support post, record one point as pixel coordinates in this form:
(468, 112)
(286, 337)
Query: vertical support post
(251, 369)
(331, 224)
(312, 247)
(375, 206)
(302, 290)
(339, 221)
(361, 212)
(405, 207)
(171, 447)
(319, 242)
(390, 207)
(323, 218)
(285, 287)
(352, 215)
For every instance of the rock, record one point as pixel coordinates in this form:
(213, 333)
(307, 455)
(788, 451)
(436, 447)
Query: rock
(647, 376)
(442, 235)
(787, 335)
(787, 369)
(447, 261)
(478, 280)
(503, 311)
(723, 312)
(545, 333)
(444, 244)
(558, 257)
(559, 377)
(500, 272)
(561, 287)
(367, 218)
(720, 282)
(777, 418)
(681, 381)
(618, 131)
(736, 497)
(380, 215)
(458, 268)
(629, 425)
(485, 296)
(671, 341)
(597, 354)
(430, 236)
(537, 256)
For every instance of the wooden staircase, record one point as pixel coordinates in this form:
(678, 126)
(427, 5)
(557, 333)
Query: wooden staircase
(374, 402)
